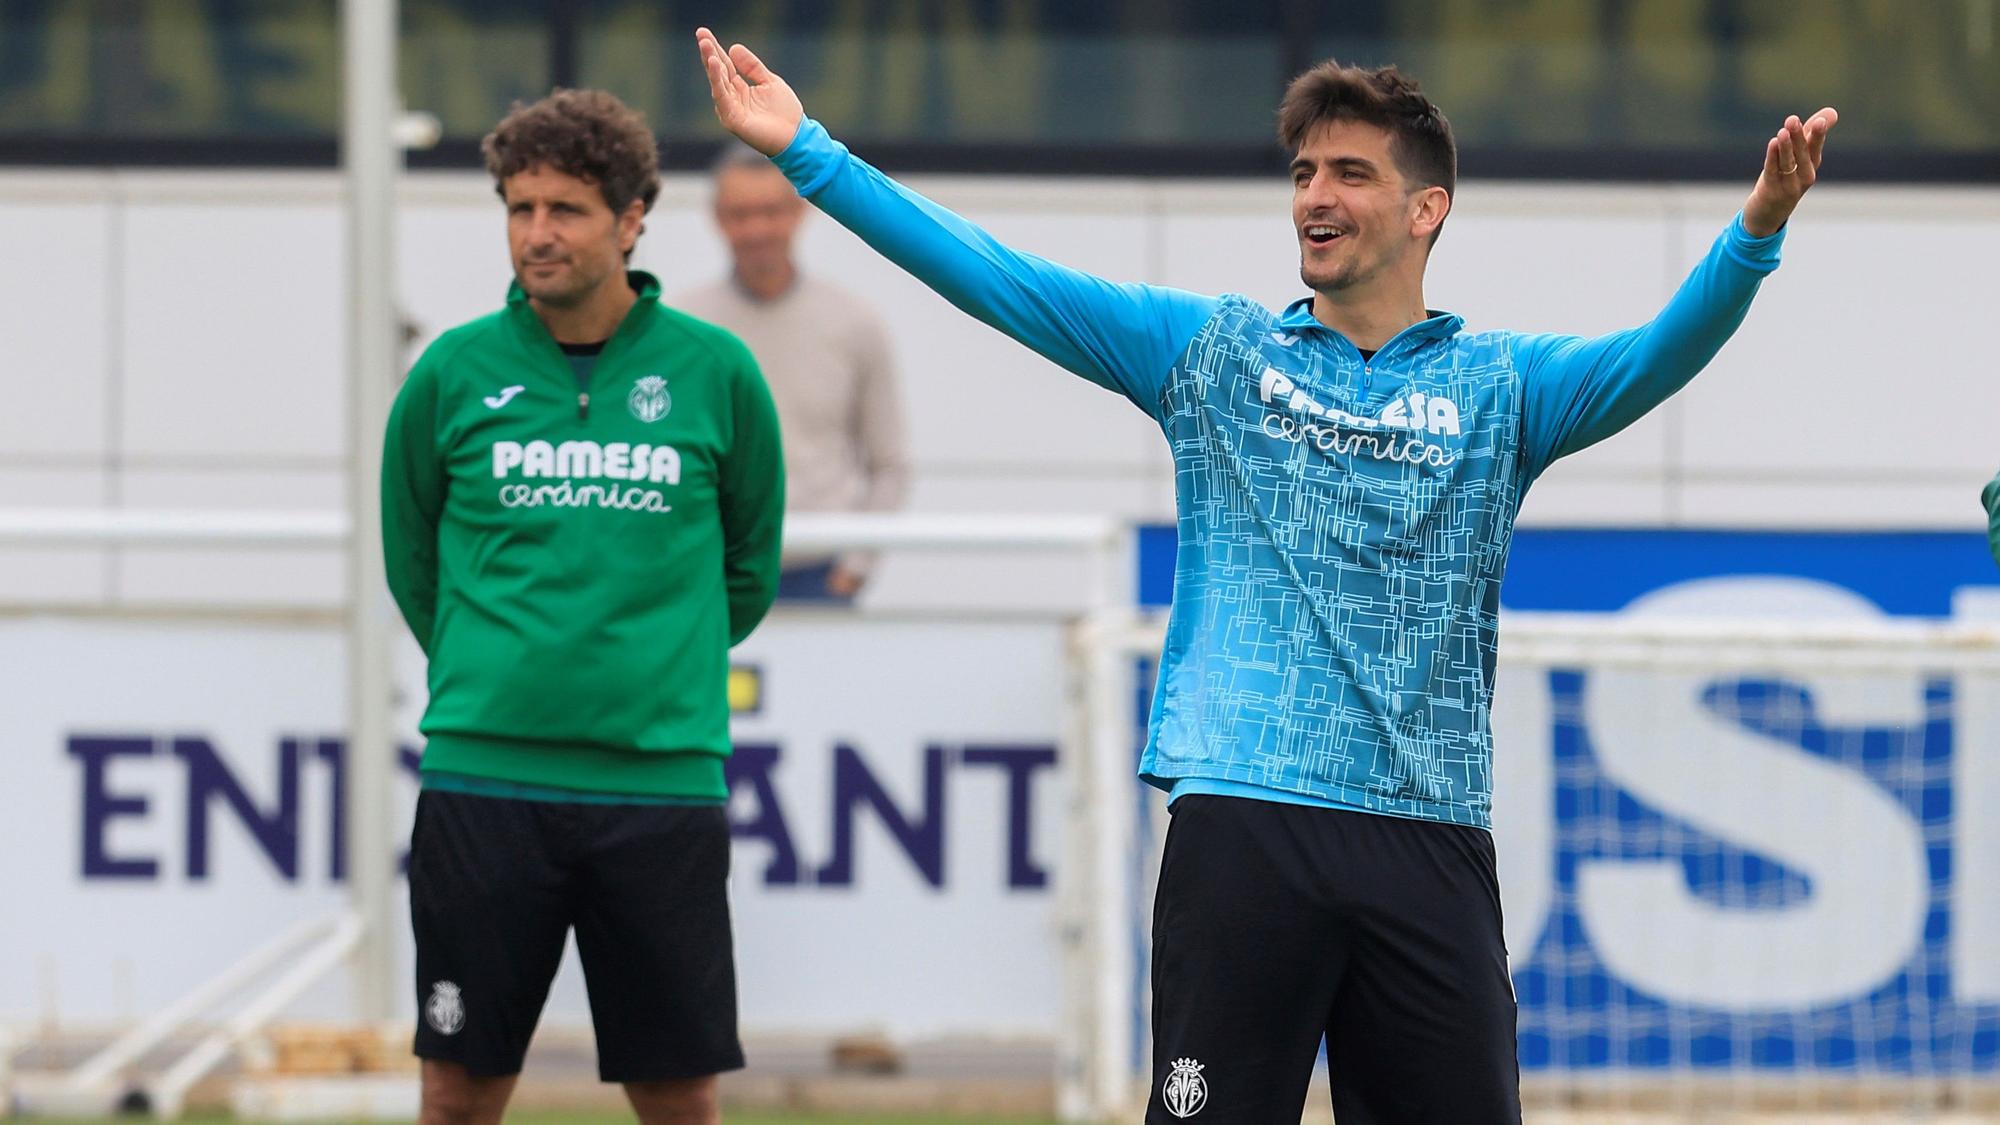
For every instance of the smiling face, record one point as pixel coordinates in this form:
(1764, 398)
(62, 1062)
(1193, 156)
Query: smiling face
(565, 240)
(1357, 217)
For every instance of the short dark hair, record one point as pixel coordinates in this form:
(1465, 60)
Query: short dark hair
(588, 134)
(1420, 137)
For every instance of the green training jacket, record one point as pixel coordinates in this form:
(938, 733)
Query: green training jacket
(576, 561)
(1990, 496)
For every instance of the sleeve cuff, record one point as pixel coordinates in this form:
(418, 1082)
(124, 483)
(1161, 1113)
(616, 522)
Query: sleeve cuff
(812, 159)
(1760, 254)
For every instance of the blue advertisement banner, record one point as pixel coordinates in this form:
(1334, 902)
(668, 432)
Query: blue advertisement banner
(1576, 570)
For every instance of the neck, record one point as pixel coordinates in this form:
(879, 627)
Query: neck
(594, 318)
(1370, 320)
(767, 283)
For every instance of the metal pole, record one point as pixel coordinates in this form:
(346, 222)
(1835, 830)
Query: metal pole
(1095, 1065)
(1109, 762)
(130, 1047)
(1076, 1077)
(371, 160)
(168, 1093)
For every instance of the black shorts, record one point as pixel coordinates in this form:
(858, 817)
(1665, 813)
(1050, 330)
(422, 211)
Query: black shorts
(496, 884)
(1276, 924)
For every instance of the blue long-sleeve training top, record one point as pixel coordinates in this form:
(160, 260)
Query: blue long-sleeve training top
(1344, 523)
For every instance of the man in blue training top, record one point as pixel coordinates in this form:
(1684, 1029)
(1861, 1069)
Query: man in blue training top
(1347, 474)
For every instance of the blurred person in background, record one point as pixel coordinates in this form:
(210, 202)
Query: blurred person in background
(1347, 475)
(581, 499)
(827, 357)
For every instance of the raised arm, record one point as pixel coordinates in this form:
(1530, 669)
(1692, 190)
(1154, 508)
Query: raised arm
(1119, 335)
(1581, 391)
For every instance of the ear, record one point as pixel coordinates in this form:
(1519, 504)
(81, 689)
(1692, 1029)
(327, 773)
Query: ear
(1431, 205)
(631, 223)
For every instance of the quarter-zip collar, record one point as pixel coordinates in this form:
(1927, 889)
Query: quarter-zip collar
(1437, 325)
(644, 311)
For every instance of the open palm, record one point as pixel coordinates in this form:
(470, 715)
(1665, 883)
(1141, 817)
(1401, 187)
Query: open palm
(1791, 167)
(751, 101)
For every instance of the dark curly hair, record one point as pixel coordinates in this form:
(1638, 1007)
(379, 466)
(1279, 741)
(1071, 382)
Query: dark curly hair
(588, 134)
(1420, 137)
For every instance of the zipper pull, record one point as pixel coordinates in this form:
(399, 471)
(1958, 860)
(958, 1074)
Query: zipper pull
(583, 406)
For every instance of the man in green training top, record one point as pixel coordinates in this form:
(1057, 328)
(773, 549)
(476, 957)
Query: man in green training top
(581, 502)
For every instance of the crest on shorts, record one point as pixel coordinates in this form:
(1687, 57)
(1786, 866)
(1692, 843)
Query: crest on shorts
(444, 1011)
(1185, 1092)
(649, 399)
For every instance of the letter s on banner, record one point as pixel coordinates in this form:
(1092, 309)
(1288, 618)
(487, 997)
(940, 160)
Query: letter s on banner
(1862, 854)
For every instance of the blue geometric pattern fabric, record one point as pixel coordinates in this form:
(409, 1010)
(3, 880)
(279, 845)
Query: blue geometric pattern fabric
(1343, 531)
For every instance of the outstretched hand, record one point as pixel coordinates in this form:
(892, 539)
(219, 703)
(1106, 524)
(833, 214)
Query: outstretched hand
(751, 101)
(1791, 164)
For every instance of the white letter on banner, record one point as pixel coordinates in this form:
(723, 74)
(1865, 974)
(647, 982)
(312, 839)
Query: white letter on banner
(1862, 856)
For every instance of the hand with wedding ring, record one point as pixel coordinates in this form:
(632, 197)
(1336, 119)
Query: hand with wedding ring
(1791, 164)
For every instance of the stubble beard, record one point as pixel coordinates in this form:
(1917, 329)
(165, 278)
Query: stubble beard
(560, 293)
(1340, 277)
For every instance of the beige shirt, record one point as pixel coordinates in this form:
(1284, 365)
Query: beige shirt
(826, 355)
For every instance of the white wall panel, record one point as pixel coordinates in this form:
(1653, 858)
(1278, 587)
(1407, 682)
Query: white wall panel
(237, 576)
(1862, 356)
(1575, 499)
(1880, 504)
(55, 315)
(248, 577)
(451, 246)
(235, 326)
